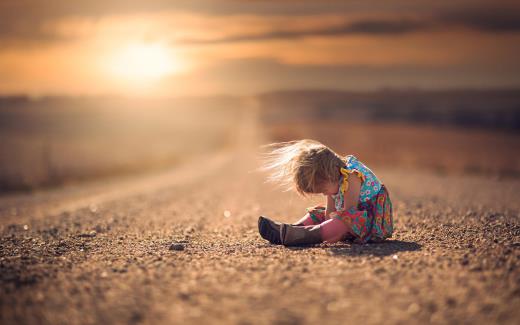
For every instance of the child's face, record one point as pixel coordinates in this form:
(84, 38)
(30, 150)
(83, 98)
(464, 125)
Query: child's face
(328, 188)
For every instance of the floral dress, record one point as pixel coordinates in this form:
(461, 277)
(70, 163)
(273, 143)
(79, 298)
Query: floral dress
(372, 219)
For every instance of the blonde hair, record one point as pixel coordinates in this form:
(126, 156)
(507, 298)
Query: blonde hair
(302, 165)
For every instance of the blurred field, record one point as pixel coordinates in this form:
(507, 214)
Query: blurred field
(481, 109)
(56, 140)
(442, 149)
(53, 141)
(454, 132)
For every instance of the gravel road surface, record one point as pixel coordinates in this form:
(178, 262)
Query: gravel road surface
(181, 246)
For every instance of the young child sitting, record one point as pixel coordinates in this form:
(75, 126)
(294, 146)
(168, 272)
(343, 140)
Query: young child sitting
(358, 205)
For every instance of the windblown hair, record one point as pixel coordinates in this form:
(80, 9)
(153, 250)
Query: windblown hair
(302, 165)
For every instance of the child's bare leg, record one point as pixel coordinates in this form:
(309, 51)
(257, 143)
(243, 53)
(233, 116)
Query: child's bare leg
(312, 231)
(307, 220)
(313, 217)
(333, 230)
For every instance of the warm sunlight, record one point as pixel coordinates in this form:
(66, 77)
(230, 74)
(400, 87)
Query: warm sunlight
(144, 62)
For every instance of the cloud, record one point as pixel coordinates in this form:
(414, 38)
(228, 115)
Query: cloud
(497, 21)
(26, 21)
(494, 20)
(371, 27)
(254, 75)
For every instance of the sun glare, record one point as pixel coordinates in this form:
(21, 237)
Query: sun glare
(144, 62)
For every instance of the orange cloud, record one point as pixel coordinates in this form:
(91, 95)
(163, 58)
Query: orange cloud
(70, 53)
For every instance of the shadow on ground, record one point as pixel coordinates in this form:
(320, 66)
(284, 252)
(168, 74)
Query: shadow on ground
(388, 247)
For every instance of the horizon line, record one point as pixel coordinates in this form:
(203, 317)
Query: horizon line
(32, 97)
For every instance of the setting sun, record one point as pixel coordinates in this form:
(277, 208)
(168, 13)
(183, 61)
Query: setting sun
(144, 62)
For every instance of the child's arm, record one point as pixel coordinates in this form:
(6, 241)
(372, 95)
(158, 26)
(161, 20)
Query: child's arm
(352, 195)
(350, 210)
(330, 206)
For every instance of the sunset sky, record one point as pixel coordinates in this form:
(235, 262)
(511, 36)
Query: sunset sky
(171, 48)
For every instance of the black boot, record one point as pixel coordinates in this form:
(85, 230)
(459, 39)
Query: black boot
(294, 235)
(269, 230)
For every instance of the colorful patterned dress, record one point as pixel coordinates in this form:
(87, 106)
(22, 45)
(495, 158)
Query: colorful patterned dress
(372, 219)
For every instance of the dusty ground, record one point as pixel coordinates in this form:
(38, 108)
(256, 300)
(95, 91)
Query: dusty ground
(181, 246)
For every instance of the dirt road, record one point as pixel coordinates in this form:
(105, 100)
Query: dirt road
(181, 246)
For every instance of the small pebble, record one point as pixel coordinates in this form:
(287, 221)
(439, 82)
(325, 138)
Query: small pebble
(379, 270)
(189, 230)
(93, 208)
(90, 234)
(40, 296)
(177, 247)
(25, 227)
(395, 258)
(414, 308)
(227, 213)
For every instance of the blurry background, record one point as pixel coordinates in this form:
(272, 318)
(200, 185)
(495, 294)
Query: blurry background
(100, 88)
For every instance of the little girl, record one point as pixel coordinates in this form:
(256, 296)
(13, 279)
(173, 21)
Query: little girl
(358, 205)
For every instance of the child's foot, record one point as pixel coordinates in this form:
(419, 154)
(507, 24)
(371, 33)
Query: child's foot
(269, 230)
